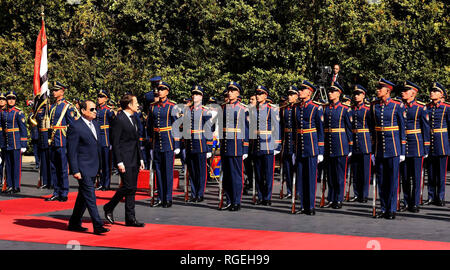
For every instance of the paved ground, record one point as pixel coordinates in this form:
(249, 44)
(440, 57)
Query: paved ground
(431, 224)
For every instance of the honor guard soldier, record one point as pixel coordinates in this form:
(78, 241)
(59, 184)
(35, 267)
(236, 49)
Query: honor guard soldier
(389, 149)
(309, 146)
(43, 122)
(439, 115)
(417, 146)
(149, 97)
(233, 146)
(197, 143)
(3, 109)
(105, 115)
(15, 131)
(338, 144)
(248, 162)
(265, 143)
(362, 145)
(34, 136)
(288, 137)
(164, 144)
(62, 113)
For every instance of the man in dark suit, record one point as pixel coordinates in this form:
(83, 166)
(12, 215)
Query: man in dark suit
(126, 149)
(84, 154)
(336, 76)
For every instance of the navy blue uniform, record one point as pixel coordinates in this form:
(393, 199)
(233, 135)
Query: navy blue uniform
(287, 147)
(417, 146)
(104, 118)
(2, 145)
(338, 144)
(15, 132)
(163, 143)
(34, 136)
(309, 143)
(233, 145)
(439, 115)
(197, 143)
(264, 141)
(390, 141)
(44, 151)
(361, 150)
(57, 139)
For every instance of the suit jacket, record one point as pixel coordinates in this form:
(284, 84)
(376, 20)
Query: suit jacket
(340, 79)
(125, 141)
(83, 150)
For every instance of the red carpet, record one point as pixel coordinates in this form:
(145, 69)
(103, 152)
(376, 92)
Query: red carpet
(17, 225)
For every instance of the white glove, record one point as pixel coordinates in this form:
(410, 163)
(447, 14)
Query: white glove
(402, 158)
(372, 157)
(177, 151)
(275, 152)
(244, 156)
(142, 147)
(349, 154)
(425, 156)
(110, 147)
(293, 158)
(151, 154)
(208, 155)
(22, 150)
(1, 160)
(319, 158)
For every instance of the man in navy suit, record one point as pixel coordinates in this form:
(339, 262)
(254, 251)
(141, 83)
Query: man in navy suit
(84, 161)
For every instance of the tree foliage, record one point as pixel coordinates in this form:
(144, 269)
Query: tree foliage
(119, 44)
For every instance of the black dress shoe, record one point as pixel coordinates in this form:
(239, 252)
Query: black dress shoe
(389, 216)
(235, 207)
(289, 196)
(157, 204)
(310, 212)
(336, 205)
(258, 202)
(354, 199)
(226, 207)
(192, 200)
(200, 199)
(52, 198)
(134, 223)
(328, 205)
(63, 199)
(439, 203)
(43, 186)
(365, 200)
(167, 204)
(403, 208)
(414, 209)
(428, 202)
(100, 230)
(99, 188)
(380, 215)
(16, 190)
(76, 228)
(266, 203)
(109, 217)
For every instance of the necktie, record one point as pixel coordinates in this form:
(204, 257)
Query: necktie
(91, 126)
(334, 77)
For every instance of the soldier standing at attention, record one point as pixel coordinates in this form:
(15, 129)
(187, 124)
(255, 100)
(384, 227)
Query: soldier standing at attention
(233, 147)
(288, 135)
(62, 113)
(309, 146)
(417, 146)
(197, 143)
(362, 145)
(338, 144)
(439, 115)
(104, 117)
(265, 144)
(164, 144)
(389, 149)
(15, 130)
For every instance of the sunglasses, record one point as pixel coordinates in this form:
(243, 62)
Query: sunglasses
(11, 98)
(92, 110)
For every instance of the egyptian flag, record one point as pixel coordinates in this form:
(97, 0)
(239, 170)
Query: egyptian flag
(40, 81)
